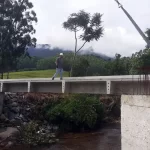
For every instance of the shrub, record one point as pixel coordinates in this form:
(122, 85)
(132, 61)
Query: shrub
(77, 111)
(33, 134)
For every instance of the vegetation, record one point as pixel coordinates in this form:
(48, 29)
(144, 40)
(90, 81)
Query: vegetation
(85, 65)
(51, 115)
(33, 74)
(32, 134)
(16, 28)
(89, 27)
(71, 114)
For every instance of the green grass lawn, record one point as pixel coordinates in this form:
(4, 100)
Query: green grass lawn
(33, 74)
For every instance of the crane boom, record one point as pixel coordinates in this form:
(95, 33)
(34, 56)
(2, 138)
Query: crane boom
(134, 23)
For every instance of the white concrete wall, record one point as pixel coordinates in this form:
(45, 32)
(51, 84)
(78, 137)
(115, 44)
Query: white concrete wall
(135, 122)
(93, 85)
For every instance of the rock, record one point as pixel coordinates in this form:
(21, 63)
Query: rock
(28, 109)
(14, 104)
(55, 128)
(15, 122)
(9, 132)
(16, 109)
(5, 110)
(21, 116)
(51, 141)
(25, 123)
(57, 140)
(52, 135)
(3, 117)
(14, 99)
(12, 115)
(10, 144)
(2, 144)
(49, 127)
(45, 122)
(12, 121)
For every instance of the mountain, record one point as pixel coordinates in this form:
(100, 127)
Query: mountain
(45, 50)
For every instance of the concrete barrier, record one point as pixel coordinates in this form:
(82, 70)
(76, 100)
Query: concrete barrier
(135, 122)
(126, 84)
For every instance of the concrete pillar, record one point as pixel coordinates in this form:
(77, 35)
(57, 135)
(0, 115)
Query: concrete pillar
(135, 122)
(1, 102)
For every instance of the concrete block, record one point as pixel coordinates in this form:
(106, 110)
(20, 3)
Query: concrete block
(15, 87)
(135, 122)
(91, 87)
(52, 87)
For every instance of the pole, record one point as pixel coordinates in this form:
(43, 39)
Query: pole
(135, 25)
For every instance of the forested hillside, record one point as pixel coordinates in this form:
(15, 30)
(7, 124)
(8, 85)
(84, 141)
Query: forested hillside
(90, 65)
(45, 50)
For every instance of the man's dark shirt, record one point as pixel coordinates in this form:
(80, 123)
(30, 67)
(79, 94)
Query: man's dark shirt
(59, 63)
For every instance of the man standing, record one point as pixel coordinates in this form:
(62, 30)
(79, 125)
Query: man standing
(59, 66)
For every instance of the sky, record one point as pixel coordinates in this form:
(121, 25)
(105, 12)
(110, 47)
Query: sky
(120, 36)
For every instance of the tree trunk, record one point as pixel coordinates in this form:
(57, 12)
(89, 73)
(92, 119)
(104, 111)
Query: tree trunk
(2, 75)
(73, 61)
(8, 74)
(2, 69)
(69, 73)
(75, 52)
(2, 64)
(8, 69)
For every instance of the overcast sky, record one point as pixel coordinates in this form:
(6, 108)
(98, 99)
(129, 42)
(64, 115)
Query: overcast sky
(120, 36)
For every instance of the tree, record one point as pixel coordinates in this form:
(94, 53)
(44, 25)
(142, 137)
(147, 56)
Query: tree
(89, 27)
(118, 66)
(80, 67)
(26, 63)
(16, 27)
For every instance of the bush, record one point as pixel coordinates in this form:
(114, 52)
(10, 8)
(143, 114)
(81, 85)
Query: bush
(33, 134)
(79, 67)
(77, 111)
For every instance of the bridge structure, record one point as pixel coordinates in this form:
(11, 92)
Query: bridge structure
(127, 84)
(135, 100)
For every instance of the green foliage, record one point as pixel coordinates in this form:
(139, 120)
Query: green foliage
(120, 66)
(16, 27)
(89, 27)
(27, 63)
(77, 111)
(31, 135)
(47, 63)
(80, 67)
(85, 65)
(33, 74)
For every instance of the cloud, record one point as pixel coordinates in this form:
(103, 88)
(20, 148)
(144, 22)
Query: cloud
(120, 35)
(119, 40)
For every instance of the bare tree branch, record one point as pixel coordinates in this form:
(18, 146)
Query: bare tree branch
(81, 47)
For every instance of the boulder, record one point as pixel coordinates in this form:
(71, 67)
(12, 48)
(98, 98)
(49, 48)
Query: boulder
(9, 137)
(15, 109)
(14, 104)
(14, 99)
(9, 132)
(9, 144)
(3, 117)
